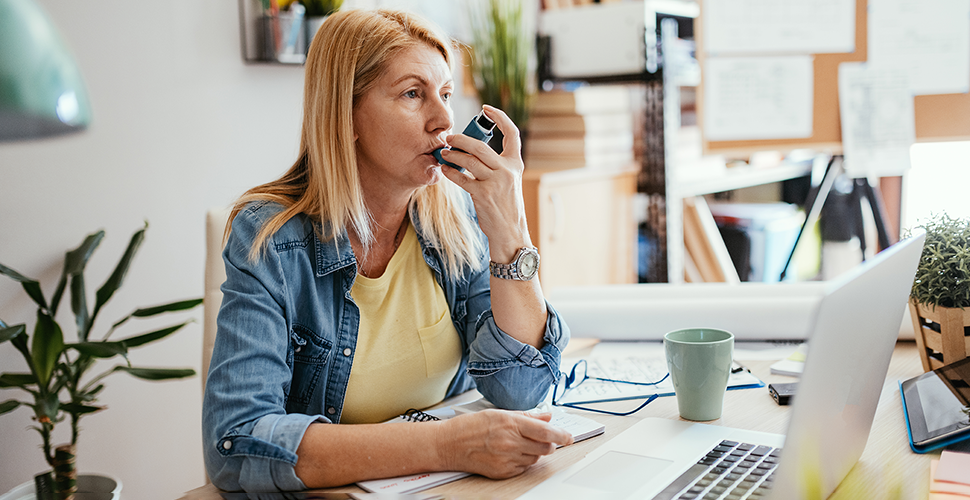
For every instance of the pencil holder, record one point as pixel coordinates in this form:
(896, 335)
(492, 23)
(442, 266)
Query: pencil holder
(941, 333)
(283, 38)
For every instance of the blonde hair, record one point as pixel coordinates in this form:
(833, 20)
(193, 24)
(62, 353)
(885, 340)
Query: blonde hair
(348, 54)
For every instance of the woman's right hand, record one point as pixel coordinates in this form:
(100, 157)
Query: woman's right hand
(498, 444)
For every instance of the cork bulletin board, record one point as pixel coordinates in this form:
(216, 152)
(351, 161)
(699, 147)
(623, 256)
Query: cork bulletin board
(939, 117)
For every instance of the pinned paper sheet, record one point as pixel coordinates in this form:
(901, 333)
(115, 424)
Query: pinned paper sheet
(758, 98)
(929, 39)
(779, 26)
(878, 124)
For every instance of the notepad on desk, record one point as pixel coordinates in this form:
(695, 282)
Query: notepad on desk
(948, 476)
(580, 427)
(793, 365)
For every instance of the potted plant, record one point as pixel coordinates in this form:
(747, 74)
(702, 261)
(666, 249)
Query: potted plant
(316, 12)
(941, 292)
(58, 383)
(501, 48)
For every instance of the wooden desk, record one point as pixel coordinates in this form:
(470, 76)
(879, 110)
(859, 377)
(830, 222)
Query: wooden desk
(886, 465)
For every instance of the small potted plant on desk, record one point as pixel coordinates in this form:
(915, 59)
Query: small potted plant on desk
(57, 368)
(941, 292)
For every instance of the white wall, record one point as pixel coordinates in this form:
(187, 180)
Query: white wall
(180, 124)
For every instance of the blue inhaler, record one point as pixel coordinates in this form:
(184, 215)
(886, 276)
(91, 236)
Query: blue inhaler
(479, 128)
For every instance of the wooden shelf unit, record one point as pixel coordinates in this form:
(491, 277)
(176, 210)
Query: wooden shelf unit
(583, 223)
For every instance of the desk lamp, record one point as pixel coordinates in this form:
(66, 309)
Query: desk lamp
(41, 91)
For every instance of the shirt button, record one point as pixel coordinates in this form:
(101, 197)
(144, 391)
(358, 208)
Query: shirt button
(299, 348)
(331, 410)
(227, 444)
(347, 351)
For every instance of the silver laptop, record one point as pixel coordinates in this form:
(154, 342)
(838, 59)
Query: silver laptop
(852, 339)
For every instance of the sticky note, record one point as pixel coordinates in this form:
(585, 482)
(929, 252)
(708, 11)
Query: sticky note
(940, 490)
(954, 467)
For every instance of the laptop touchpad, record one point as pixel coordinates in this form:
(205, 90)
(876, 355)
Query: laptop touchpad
(618, 472)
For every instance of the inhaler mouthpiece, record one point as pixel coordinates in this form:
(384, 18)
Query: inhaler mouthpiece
(479, 128)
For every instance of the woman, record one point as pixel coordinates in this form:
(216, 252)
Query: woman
(358, 284)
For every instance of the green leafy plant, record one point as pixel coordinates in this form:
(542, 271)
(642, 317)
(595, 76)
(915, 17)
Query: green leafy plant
(500, 62)
(943, 276)
(59, 368)
(316, 8)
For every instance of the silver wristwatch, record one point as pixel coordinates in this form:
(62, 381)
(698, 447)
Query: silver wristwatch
(523, 267)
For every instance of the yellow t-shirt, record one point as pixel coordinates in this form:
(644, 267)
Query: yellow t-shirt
(408, 350)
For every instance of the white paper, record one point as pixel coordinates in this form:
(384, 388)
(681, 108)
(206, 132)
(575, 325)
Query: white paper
(634, 362)
(930, 39)
(878, 124)
(414, 483)
(406, 485)
(778, 26)
(758, 98)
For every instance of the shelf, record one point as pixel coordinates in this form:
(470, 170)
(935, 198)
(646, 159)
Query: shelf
(739, 177)
(692, 174)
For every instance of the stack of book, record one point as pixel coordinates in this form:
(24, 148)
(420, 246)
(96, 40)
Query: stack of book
(770, 231)
(590, 126)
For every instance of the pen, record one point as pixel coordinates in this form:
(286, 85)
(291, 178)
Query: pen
(296, 25)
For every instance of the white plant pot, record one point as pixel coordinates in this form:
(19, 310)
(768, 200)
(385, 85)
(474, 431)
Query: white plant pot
(89, 487)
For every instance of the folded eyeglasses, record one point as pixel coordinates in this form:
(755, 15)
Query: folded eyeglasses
(579, 374)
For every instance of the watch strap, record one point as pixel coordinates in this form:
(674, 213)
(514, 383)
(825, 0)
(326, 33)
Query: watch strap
(510, 271)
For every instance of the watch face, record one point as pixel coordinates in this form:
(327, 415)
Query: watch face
(528, 265)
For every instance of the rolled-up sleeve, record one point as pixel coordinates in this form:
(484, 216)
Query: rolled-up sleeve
(508, 373)
(512, 374)
(249, 440)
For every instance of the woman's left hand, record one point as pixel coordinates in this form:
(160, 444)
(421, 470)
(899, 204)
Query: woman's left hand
(495, 185)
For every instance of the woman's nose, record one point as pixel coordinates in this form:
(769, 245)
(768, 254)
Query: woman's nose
(440, 118)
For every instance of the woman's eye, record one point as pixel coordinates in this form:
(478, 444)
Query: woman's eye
(411, 94)
(446, 96)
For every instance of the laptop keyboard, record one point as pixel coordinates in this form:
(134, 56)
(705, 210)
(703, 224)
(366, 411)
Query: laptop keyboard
(731, 470)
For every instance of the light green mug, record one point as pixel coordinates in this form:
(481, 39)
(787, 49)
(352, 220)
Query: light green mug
(699, 361)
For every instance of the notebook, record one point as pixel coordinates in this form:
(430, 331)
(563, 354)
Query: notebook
(580, 427)
(656, 458)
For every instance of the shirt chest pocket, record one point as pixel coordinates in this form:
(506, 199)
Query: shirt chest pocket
(442, 348)
(310, 355)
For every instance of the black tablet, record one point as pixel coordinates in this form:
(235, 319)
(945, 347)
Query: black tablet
(937, 406)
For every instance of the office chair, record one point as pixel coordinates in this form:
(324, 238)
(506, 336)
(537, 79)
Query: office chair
(215, 275)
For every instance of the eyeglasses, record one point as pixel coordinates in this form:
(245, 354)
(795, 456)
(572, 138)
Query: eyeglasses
(579, 374)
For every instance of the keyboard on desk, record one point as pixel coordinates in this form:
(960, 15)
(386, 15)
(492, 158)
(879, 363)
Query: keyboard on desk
(731, 471)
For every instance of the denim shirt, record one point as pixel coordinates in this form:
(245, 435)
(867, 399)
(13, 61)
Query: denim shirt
(287, 331)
